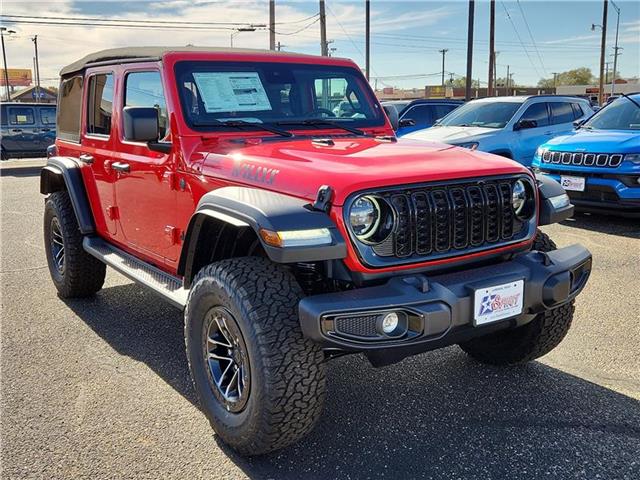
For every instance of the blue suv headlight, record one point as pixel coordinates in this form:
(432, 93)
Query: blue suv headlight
(541, 151)
(633, 158)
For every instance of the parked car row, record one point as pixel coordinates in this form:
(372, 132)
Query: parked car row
(27, 129)
(595, 155)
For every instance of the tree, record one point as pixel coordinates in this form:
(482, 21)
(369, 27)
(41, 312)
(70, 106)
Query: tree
(461, 82)
(577, 76)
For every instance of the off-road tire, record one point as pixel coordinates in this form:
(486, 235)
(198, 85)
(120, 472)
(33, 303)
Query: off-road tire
(530, 341)
(82, 275)
(287, 371)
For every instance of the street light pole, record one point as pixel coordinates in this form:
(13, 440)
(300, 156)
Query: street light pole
(467, 88)
(443, 52)
(615, 50)
(602, 52)
(3, 32)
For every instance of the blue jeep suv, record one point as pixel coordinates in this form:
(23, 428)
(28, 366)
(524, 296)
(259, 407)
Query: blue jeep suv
(599, 164)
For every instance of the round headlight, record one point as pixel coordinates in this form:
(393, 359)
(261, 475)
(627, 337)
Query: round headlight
(364, 217)
(518, 197)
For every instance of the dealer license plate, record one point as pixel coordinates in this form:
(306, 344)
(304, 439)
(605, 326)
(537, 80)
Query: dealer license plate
(575, 184)
(500, 301)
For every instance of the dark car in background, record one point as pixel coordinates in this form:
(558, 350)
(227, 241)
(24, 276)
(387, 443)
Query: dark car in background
(419, 114)
(27, 129)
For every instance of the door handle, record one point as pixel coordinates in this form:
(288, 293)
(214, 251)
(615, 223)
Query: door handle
(46, 129)
(121, 167)
(86, 158)
(16, 130)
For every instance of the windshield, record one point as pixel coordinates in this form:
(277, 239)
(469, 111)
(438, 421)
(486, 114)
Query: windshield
(214, 95)
(622, 114)
(481, 114)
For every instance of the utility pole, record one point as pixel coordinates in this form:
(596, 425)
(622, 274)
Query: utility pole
(367, 30)
(606, 71)
(35, 44)
(615, 50)
(272, 24)
(555, 80)
(492, 53)
(443, 52)
(467, 93)
(602, 52)
(507, 81)
(324, 48)
(3, 31)
(279, 46)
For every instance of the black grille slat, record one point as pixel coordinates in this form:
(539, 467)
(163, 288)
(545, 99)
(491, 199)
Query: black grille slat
(441, 220)
(476, 214)
(423, 215)
(459, 211)
(492, 213)
(507, 218)
(403, 246)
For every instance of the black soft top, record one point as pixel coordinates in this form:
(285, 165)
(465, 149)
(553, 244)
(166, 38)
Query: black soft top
(133, 54)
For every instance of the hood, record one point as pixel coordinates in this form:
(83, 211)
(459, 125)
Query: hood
(299, 167)
(452, 134)
(597, 141)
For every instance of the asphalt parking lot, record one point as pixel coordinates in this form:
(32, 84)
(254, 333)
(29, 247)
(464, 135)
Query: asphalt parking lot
(100, 388)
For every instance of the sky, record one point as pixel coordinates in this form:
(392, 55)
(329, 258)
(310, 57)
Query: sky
(534, 38)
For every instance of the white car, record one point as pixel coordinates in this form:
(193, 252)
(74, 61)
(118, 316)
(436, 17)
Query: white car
(513, 127)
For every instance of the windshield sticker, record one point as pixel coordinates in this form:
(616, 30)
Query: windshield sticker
(232, 91)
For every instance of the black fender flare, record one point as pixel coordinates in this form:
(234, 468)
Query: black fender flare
(63, 173)
(262, 209)
(549, 213)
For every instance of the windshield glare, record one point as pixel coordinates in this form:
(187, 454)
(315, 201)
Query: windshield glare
(622, 114)
(481, 114)
(270, 93)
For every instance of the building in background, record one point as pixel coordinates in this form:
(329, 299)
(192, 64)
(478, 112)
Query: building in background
(29, 95)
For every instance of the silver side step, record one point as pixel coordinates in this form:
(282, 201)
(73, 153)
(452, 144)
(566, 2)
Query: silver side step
(162, 283)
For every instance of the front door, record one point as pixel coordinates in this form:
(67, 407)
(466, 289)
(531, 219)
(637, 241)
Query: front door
(145, 185)
(529, 139)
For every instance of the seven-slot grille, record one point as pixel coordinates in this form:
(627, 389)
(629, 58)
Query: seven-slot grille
(584, 159)
(451, 219)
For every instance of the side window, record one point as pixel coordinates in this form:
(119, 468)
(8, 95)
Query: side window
(577, 110)
(144, 89)
(69, 109)
(442, 110)
(100, 105)
(21, 116)
(537, 113)
(47, 116)
(422, 114)
(561, 112)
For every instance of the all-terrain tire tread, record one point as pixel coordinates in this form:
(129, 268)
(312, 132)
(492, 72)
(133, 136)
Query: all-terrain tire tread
(294, 366)
(84, 274)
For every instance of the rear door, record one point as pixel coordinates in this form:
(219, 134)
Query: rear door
(422, 115)
(22, 129)
(527, 140)
(46, 117)
(145, 185)
(96, 150)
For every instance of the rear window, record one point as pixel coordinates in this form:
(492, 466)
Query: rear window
(561, 112)
(21, 116)
(100, 106)
(48, 116)
(69, 109)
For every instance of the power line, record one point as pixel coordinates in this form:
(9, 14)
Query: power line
(531, 36)
(519, 38)
(149, 21)
(103, 25)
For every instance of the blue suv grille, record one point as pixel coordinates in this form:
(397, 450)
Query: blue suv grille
(583, 159)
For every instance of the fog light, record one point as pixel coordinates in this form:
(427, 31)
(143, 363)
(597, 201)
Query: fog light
(390, 322)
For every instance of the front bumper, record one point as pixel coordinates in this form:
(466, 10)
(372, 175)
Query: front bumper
(437, 311)
(617, 194)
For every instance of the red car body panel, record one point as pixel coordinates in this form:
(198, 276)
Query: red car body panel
(161, 191)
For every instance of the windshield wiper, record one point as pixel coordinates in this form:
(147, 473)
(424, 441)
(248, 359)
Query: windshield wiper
(630, 99)
(316, 122)
(243, 123)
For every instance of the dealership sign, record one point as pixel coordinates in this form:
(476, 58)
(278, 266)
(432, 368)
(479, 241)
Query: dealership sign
(18, 77)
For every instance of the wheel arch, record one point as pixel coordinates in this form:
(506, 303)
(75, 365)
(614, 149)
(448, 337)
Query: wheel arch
(63, 173)
(237, 214)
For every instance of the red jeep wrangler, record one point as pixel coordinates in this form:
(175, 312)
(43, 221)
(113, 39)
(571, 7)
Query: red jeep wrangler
(267, 196)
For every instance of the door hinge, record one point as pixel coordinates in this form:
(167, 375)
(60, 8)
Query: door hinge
(173, 234)
(113, 212)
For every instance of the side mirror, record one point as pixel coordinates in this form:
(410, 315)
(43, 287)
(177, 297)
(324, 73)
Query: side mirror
(578, 123)
(524, 124)
(142, 124)
(437, 122)
(407, 122)
(392, 115)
